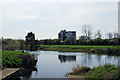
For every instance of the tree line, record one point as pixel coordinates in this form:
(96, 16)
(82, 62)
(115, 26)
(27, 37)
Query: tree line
(11, 44)
(85, 39)
(98, 41)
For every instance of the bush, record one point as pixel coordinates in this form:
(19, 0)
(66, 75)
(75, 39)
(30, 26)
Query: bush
(10, 44)
(15, 59)
(27, 60)
(109, 67)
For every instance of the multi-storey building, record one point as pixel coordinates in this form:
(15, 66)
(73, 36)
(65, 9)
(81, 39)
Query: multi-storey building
(71, 35)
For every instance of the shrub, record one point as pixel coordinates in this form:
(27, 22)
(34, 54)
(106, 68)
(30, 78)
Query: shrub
(9, 44)
(16, 59)
(109, 67)
(28, 60)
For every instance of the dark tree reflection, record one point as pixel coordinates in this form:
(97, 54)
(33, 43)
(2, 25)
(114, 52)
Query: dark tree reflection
(67, 58)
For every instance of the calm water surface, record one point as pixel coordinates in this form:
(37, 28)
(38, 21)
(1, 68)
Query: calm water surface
(53, 64)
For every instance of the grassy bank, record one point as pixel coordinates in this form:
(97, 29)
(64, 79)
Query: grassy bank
(108, 72)
(15, 59)
(96, 49)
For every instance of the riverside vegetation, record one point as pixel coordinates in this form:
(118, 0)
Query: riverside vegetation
(96, 46)
(109, 72)
(96, 49)
(17, 59)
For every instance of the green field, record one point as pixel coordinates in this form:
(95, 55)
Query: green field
(15, 59)
(96, 49)
(81, 46)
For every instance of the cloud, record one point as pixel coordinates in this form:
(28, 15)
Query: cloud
(59, 1)
(38, 17)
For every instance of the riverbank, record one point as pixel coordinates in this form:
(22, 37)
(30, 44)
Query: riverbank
(94, 49)
(17, 59)
(108, 72)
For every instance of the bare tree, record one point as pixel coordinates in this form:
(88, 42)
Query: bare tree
(116, 35)
(109, 35)
(95, 35)
(98, 34)
(86, 29)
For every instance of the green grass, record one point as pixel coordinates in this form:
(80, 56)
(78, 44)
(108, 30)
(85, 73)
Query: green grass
(13, 58)
(105, 46)
(101, 72)
(96, 49)
(107, 71)
(81, 46)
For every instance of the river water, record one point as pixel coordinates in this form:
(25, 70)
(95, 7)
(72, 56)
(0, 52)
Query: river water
(53, 64)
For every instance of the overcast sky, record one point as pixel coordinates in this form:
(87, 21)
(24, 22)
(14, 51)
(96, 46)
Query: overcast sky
(46, 19)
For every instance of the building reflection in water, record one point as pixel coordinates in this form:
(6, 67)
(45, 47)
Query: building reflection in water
(67, 58)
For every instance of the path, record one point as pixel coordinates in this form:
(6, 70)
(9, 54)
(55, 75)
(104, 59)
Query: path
(9, 73)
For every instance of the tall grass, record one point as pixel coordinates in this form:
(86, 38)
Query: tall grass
(101, 72)
(80, 70)
(106, 72)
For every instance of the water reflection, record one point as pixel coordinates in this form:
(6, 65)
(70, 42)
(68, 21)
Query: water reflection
(49, 63)
(26, 73)
(97, 60)
(67, 58)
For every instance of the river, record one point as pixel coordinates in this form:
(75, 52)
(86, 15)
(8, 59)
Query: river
(53, 64)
